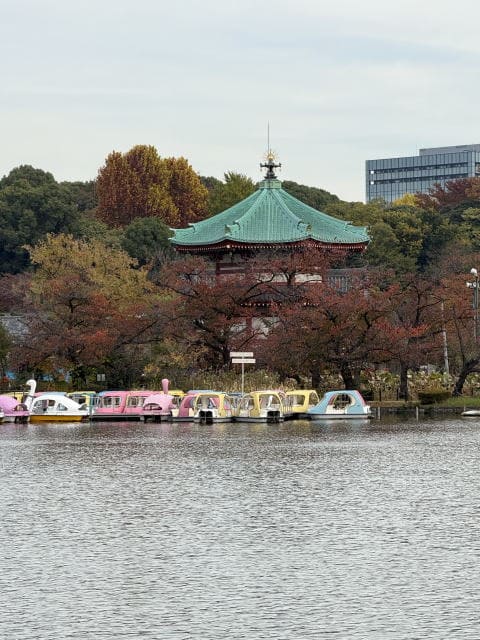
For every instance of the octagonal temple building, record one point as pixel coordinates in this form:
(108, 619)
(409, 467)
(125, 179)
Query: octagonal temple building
(269, 220)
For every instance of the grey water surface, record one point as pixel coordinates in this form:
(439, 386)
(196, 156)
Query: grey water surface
(290, 531)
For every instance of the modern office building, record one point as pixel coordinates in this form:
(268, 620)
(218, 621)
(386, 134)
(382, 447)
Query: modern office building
(391, 178)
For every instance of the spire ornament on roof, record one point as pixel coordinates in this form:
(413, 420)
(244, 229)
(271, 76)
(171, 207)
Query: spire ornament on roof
(270, 165)
(270, 158)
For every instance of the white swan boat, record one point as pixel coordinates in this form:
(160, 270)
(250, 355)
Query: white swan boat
(53, 407)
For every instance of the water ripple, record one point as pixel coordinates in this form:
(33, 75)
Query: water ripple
(279, 532)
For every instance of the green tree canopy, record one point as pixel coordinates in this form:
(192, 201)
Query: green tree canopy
(210, 183)
(144, 238)
(83, 193)
(313, 196)
(32, 204)
(224, 195)
(405, 238)
(408, 239)
(470, 227)
(27, 174)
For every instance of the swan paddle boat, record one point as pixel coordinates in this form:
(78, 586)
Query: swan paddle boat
(13, 410)
(53, 407)
(343, 404)
(158, 406)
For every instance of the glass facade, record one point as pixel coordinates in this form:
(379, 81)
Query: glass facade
(391, 178)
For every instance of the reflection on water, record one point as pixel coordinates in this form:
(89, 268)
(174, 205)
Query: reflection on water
(290, 531)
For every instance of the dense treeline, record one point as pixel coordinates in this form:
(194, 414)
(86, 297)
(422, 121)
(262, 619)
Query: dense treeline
(89, 268)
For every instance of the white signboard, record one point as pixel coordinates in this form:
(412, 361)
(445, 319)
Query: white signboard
(241, 354)
(243, 360)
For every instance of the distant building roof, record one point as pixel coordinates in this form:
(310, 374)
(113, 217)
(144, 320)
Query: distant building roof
(269, 217)
(452, 149)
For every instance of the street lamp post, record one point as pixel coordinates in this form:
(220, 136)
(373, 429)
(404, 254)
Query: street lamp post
(474, 286)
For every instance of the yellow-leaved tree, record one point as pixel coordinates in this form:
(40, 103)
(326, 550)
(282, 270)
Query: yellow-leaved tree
(93, 267)
(407, 200)
(89, 306)
(139, 183)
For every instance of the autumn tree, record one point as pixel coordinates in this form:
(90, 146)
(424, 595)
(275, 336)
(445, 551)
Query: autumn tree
(445, 197)
(140, 183)
(216, 313)
(189, 196)
(407, 200)
(459, 317)
(209, 317)
(5, 345)
(330, 328)
(370, 321)
(412, 329)
(14, 289)
(473, 189)
(86, 306)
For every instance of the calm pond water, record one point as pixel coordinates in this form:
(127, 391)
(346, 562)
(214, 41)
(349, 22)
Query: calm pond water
(290, 531)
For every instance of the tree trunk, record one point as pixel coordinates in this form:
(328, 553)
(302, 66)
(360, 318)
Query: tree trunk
(403, 390)
(458, 388)
(316, 378)
(468, 367)
(347, 377)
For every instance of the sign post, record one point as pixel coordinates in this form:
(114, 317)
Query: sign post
(243, 358)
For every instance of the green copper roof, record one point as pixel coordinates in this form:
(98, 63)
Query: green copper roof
(270, 216)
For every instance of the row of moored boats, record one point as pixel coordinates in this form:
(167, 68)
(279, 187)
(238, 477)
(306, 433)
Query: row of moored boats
(205, 406)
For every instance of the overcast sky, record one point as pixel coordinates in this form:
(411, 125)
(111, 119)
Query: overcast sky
(339, 82)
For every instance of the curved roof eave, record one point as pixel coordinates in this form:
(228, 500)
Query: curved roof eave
(270, 216)
(232, 244)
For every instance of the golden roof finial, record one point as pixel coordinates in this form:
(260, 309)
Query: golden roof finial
(270, 158)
